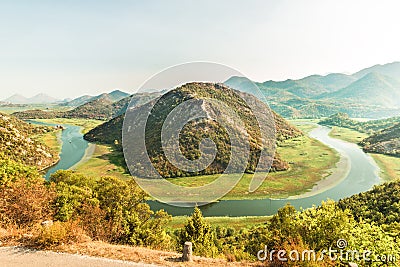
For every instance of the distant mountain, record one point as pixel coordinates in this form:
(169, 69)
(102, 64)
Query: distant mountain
(390, 69)
(17, 143)
(77, 101)
(373, 89)
(117, 95)
(308, 87)
(372, 92)
(42, 99)
(101, 107)
(384, 142)
(37, 99)
(114, 96)
(111, 131)
(16, 99)
(104, 107)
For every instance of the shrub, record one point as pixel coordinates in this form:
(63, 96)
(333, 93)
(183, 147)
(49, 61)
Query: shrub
(109, 209)
(59, 233)
(199, 232)
(25, 199)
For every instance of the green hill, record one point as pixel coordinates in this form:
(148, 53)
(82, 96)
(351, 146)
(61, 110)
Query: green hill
(17, 143)
(386, 141)
(390, 69)
(373, 89)
(111, 132)
(114, 96)
(370, 127)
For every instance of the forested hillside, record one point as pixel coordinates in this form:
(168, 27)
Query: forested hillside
(386, 141)
(192, 134)
(17, 144)
(369, 127)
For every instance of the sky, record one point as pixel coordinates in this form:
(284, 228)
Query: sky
(71, 48)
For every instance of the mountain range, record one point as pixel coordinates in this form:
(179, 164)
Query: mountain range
(37, 99)
(102, 107)
(373, 92)
(114, 96)
(370, 93)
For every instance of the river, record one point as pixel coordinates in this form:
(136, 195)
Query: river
(361, 174)
(356, 173)
(73, 147)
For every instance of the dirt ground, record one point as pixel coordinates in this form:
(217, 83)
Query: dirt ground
(99, 254)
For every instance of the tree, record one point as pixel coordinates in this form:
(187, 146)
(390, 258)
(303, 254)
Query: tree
(199, 232)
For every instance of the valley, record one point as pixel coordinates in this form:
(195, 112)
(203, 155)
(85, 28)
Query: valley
(326, 162)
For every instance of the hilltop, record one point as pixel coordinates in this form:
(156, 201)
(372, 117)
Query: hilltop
(111, 132)
(16, 143)
(389, 69)
(114, 96)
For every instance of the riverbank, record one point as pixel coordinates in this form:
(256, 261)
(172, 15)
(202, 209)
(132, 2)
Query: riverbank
(87, 156)
(389, 165)
(335, 176)
(311, 164)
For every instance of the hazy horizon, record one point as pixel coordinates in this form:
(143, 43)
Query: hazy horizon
(69, 49)
(158, 89)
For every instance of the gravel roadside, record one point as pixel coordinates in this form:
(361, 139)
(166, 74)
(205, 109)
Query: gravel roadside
(21, 257)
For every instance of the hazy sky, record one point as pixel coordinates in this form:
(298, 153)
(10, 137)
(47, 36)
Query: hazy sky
(71, 48)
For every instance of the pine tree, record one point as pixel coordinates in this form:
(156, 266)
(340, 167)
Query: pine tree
(199, 232)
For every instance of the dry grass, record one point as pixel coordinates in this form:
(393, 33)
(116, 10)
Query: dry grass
(144, 255)
(23, 238)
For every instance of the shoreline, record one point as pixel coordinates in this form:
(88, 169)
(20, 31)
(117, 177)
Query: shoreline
(88, 155)
(339, 173)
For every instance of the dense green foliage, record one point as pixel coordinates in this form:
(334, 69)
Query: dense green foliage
(380, 205)
(24, 197)
(17, 143)
(316, 229)
(108, 208)
(198, 232)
